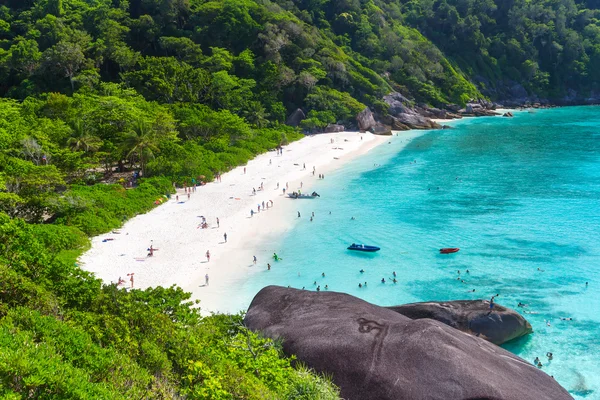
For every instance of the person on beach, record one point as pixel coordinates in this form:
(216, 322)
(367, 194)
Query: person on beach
(298, 214)
(301, 184)
(277, 185)
(287, 186)
(207, 255)
(252, 213)
(269, 161)
(189, 195)
(284, 191)
(225, 237)
(177, 198)
(151, 251)
(254, 259)
(268, 265)
(218, 222)
(311, 219)
(131, 279)
(206, 280)
(254, 191)
(244, 170)
(120, 282)
(304, 166)
(276, 257)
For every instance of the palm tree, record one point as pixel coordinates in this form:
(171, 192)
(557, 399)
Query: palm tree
(141, 143)
(257, 115)
(82, 139)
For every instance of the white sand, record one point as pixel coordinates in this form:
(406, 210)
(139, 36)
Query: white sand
(173, 227)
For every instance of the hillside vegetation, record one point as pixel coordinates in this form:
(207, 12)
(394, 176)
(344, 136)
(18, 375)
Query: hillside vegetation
(106, 103)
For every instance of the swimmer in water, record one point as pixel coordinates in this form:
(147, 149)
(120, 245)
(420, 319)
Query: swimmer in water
(360, 285)
(382, 280)
(318, 288)
(323, 274)
(547, 322)
(394, 273)
(326, 287)
(549, 355)
(394, 280)
(467, 271)
(362, 271)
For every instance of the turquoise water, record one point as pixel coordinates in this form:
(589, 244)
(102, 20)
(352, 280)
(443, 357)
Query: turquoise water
(520, 197)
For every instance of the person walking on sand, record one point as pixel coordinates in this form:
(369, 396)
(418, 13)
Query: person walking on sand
(244, 170)
(131, 279)
(225, 237)
(206, 280)
(218, 222)
(207, 256)
(268, 267)
(298, 214)
(254, 259)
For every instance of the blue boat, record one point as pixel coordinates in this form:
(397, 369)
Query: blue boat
(363, 247)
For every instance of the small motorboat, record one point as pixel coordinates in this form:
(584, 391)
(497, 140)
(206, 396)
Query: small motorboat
(448, 250)
(296, 195)
(363, 247)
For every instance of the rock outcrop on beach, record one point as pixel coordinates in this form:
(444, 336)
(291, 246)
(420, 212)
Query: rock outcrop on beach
(365, 119)
(403, 115)
(372, 352)
(295, 118)
(471, 316)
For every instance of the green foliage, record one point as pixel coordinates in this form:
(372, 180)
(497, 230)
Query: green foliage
(63, 335)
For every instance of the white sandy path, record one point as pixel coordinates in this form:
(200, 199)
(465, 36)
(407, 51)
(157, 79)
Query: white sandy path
(173, 227)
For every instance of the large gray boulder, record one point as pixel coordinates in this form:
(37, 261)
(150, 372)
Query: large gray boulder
(405, 116)
(295, 118)
(375, 353)
(331, 128)
(471, 316)
(365, 120)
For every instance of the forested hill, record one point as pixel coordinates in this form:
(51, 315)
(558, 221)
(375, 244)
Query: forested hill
(263, 59)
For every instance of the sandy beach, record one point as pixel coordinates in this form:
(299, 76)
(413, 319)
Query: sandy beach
(174, 230)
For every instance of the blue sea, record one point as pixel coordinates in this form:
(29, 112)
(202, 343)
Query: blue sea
(519, 196)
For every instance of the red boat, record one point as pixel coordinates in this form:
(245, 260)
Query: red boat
(448, 250)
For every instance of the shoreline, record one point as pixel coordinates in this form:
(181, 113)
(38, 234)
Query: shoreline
(173, 228)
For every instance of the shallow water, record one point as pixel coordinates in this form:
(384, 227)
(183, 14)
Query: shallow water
(520, 197)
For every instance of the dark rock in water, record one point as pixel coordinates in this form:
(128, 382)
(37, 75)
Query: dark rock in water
(365, 119)
(447, 127)
(380, 129)
(375, 353)
(330, 128)
(471, 316)
(295, 118)
(415, 121)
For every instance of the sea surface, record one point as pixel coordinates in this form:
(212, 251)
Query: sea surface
(519, 196)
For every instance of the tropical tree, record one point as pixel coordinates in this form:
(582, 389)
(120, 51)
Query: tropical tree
(141, 143)
(82, 139)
